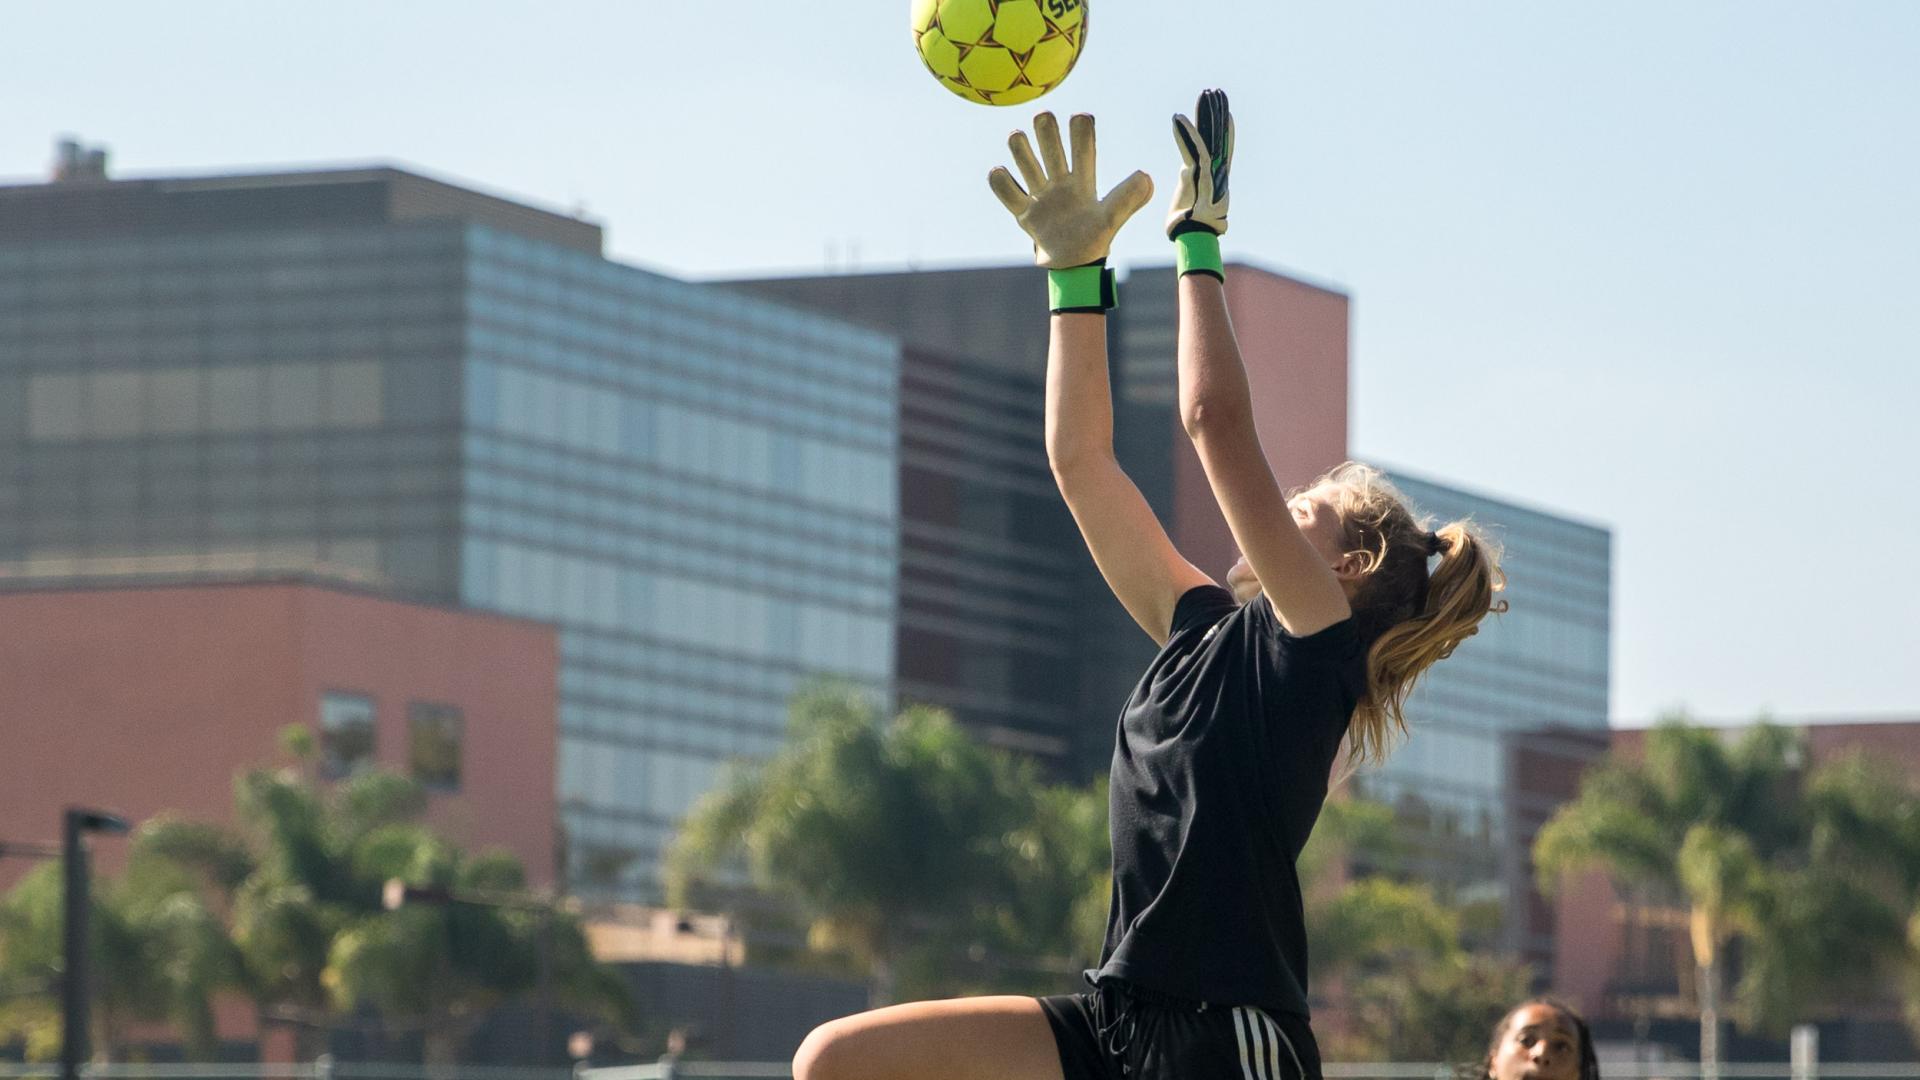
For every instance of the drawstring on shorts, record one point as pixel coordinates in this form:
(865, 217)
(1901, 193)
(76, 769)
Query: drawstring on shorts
(1115, 1030)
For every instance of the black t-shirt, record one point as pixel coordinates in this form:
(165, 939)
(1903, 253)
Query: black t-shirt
(1219, 772)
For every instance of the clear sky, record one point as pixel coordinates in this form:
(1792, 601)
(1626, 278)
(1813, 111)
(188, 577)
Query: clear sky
(1652, 265)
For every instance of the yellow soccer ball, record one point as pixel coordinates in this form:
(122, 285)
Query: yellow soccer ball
(999, 52)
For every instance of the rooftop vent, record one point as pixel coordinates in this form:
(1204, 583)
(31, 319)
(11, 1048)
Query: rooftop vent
(73, 162)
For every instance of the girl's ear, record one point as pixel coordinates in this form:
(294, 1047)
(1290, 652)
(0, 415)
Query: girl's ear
(1353, 566)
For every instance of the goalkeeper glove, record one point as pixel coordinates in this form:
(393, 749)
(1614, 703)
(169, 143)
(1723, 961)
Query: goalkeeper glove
(1059, 207)
(1207, 149)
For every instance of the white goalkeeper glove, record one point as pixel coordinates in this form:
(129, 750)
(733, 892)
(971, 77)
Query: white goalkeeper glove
(1207, 149)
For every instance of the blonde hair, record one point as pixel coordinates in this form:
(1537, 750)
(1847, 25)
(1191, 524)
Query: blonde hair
(1409, 617)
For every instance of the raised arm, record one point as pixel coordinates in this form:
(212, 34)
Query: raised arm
(1216, 405)
(1128, 544)
(1072, 230)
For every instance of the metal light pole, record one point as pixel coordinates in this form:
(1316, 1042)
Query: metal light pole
(74, 986)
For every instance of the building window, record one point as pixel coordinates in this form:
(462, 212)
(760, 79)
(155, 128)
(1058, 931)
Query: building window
(346, 734)
(294, 401)
(55, 407)
(435, 733)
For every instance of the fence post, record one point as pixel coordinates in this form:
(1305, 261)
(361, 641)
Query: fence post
(1806, 1052)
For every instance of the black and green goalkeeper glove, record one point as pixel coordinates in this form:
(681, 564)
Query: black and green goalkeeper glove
(1060, 208)
(1199, 213)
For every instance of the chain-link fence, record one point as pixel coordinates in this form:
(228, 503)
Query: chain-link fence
(780, 1070)
(725, 1070)
(323, 1069)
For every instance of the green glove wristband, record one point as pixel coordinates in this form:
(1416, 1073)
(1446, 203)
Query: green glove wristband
(1086, 289)
(1198, 252)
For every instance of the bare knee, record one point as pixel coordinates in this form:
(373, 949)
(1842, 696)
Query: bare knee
(822, 1054)
(993, 1038)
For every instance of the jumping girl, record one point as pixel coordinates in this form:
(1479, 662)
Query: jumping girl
(1224, 749)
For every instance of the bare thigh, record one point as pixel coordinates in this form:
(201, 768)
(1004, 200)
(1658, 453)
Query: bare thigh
(984, 1038)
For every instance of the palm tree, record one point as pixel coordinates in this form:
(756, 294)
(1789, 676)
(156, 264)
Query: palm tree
(1750, 845)
(188, 953)
(1369, 923)
(1436, 1010)
(298, 887)
(1678, 822)
(1352, 833)
(1393, 950)
(1376, 925)
(441, 966)
(1843, 921)
(287, 882)
(1059, 877)
(157, 955)
(875, 831)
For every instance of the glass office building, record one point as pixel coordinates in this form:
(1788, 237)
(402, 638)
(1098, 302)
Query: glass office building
(996, 613)
(375, 376)
(699, 488)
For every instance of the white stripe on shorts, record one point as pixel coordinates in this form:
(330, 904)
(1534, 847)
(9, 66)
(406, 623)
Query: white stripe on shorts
(1240, 1033)
(1244, 1027)
(1299, 1070)
(1273, 1046)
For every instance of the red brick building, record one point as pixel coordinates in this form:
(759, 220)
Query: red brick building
(149, 699)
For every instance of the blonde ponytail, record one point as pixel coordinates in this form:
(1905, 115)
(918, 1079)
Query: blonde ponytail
(1409, 617)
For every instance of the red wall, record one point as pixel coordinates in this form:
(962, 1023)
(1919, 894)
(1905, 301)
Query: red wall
(1293, 340)
(140, 700)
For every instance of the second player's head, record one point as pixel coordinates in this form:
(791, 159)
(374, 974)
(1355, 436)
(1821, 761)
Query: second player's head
(1539, 1040)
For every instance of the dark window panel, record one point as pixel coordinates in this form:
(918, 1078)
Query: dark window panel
(176, 401)
(436, 735)
(296, 520)
(236, 523)
(116, 404)
(347, 734)
(13, 402)
(359, 484)
(56, 407)
(420, 392)
(236, 399)
(417, 562)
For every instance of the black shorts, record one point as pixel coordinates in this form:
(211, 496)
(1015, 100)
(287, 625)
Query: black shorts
(1124, 1032)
